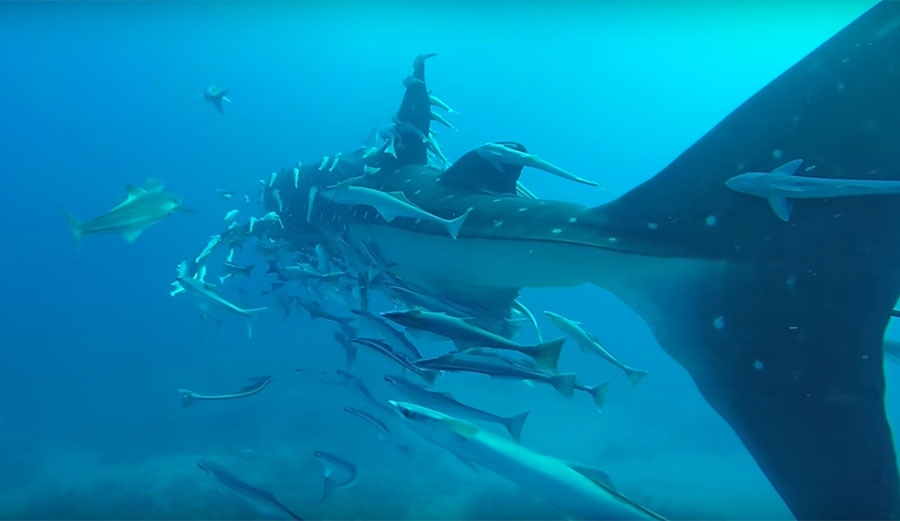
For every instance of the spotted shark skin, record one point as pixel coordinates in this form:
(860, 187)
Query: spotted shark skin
(779, 324)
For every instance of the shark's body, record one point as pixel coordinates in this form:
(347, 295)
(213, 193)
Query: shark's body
(581, 492)
(262, 500)
(143, 206)
(780, 326)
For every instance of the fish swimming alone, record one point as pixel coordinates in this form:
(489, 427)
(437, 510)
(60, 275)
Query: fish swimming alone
(337, 472)
(780, 327)
(258, 384)
(782, 184)
(446, 403)
(143, 206)
(216, 96)
(590, 344)
(465, 334)
(262, 501)
(579, 491)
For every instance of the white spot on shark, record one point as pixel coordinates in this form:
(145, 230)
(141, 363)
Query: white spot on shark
(556, 231)
(573, 219)
(497, 200)
(711, 220)
(652, 226)
(719, 322)
(498, 224)
(523, 209)
(417, 192)
(777, 153)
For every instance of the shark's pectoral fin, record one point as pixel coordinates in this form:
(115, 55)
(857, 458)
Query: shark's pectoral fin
(131, 236)
(781, 326)
(781, 207)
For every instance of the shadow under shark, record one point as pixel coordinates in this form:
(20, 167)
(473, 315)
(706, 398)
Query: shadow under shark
(779, 324)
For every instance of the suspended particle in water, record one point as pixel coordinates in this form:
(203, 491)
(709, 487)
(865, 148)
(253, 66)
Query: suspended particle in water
(719, 322)
(758, 365)
(711, 220)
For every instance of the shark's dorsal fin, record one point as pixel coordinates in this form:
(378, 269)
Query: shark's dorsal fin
(789, 168)
(402, 196)
(153, 185)
(133, 191)
(475, 173)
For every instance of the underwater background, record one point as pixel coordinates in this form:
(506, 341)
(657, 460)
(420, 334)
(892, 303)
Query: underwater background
(99, 95)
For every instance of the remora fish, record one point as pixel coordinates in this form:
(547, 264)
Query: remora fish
(144, 206)
(384, 349)
(499, 154)
(466, 335)
(259, 383)
(262, 500)
(590, 344)
(580, 491)
(380, 325)
(209, 299)
(337, 472)
(474, 361)
(782, 184)
(390, 205)
(445, 402)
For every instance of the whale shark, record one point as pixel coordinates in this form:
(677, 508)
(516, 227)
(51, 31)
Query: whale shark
(780, 325)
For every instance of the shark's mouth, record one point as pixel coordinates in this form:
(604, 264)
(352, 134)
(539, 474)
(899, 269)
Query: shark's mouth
(779, 324)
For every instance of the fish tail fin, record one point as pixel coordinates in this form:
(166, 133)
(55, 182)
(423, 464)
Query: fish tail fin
(218, 99)
(547, 354)
(274, 267)
(598, 393)
(248, 270)
(75, 225)
(781, 325)
(429, 376)
(250, 320)
(564, 383)
(327, 488)
(454, 225)
(515, 423)
(634, 375)
(187, 397)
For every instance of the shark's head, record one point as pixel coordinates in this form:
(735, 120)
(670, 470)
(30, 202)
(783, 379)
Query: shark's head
(749, 183)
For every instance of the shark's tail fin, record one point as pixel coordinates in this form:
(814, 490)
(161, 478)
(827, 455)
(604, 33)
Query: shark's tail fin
(187, 397)
(547, 354)
(515, 423)
(75, 225)
(781, 324)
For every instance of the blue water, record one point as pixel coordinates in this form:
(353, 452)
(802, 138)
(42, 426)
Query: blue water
(97, 96)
